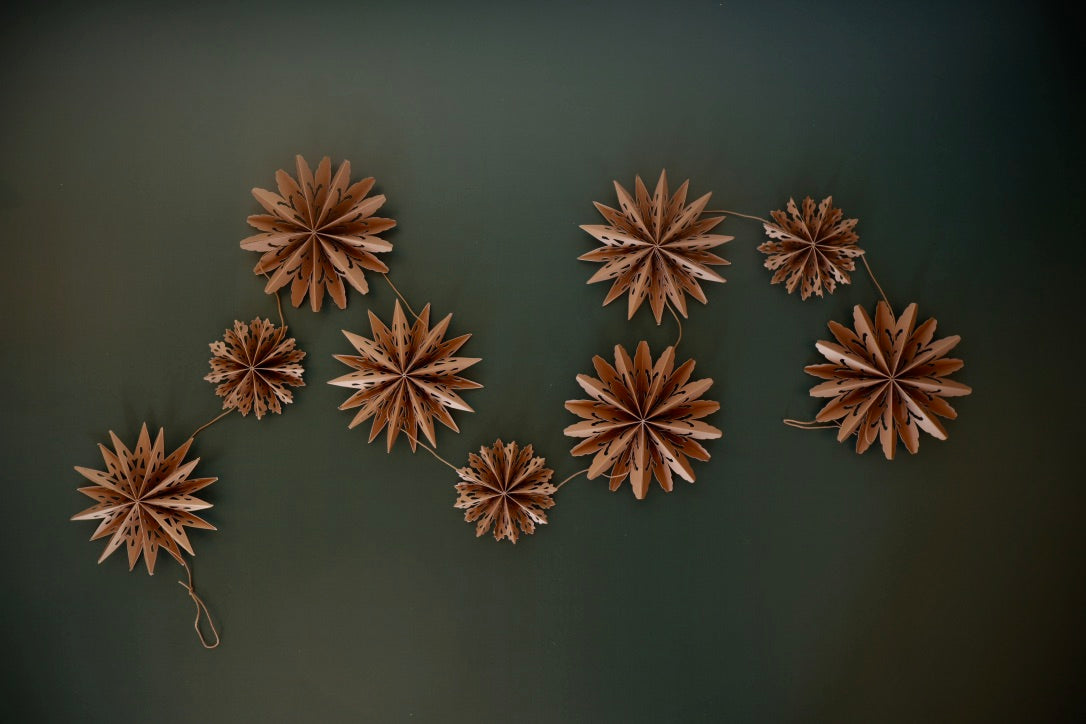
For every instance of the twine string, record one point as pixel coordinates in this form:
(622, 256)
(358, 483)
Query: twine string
(610, 476)
(807, 424)
(201, 611)
(863, 258)
(401, 296)
(278, 304)
(736, 213)
(571, 477)
(210, 422)
(433, 452)
(678, 322)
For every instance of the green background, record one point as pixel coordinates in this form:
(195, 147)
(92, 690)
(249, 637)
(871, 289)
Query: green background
(795, 581)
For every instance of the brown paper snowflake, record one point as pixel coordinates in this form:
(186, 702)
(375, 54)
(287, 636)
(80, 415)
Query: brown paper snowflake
(656, 247)
(319, 232)
(811, 249)
(406, 376)
(505, 487)
(145, 499)
(643, 420)
(255, 363)
(887, 379)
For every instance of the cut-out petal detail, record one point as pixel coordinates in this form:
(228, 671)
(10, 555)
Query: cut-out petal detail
(144, 499)
(887, 379)
(405, 376)
(655, 248)
(319, 235)
(643, 420)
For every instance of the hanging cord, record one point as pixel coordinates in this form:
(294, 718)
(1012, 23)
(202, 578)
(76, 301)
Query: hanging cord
(282, 323)
(433, 452)
(201, 611)
(402, 298)
(278, 303)
(863, 258)
(279, 306)
(571, 477)
(736, 213)
(807, 424)
(582, 472)
(211, 422)
(678, 322)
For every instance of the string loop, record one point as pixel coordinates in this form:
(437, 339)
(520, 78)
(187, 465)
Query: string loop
(201, 611)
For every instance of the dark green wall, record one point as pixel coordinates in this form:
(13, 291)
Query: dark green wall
(795, 581)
